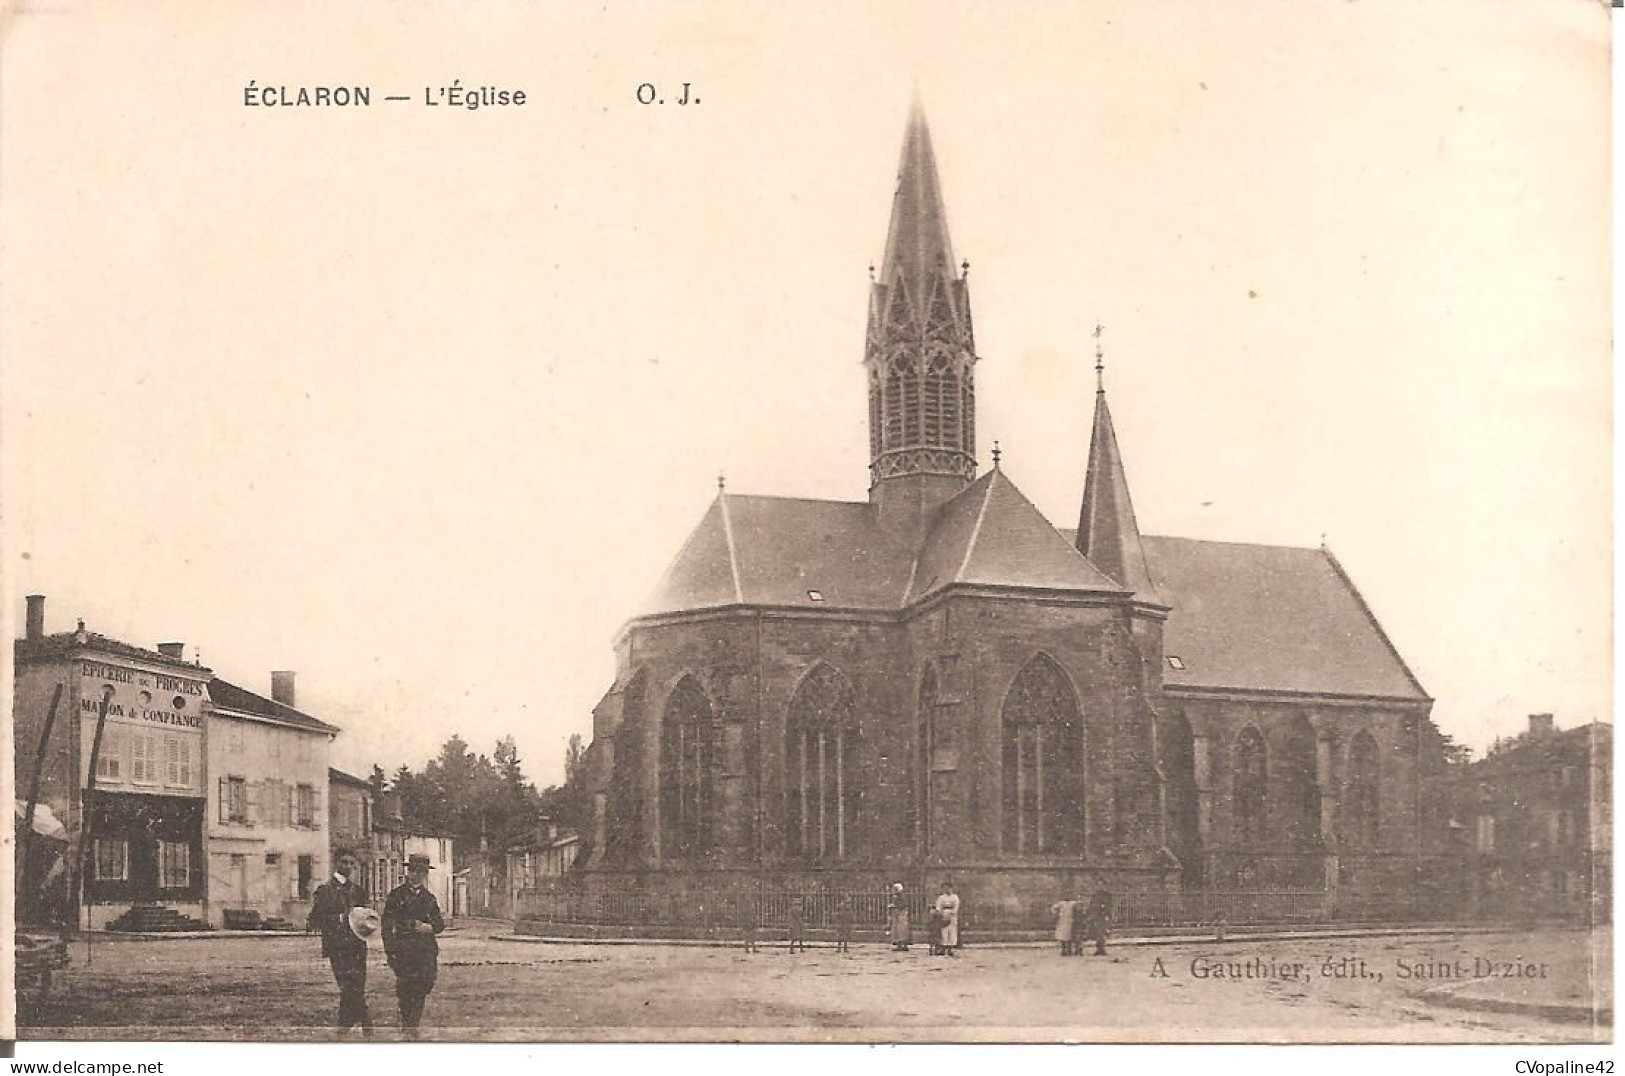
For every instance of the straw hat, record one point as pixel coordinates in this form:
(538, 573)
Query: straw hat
(364, 923)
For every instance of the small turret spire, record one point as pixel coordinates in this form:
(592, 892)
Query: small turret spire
(1107, 531)
(1100, 360)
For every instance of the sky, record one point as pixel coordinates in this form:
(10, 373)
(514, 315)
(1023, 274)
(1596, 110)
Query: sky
(420, 402)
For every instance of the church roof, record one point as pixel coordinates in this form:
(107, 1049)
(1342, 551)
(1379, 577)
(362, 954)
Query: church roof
(990, 534)
(781, 551)
(1271, 618)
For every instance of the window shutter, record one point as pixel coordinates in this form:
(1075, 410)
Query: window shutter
(253, 802)
(223, 801)
(186, 763)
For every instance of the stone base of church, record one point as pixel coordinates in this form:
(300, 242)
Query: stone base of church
(997, 899)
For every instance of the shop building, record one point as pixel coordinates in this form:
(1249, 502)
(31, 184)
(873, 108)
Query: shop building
(131, 805)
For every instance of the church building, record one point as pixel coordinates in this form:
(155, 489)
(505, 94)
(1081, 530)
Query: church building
(938, 682)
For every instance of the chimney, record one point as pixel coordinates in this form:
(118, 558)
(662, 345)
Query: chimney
(282, 688)
(36, 616)
(1540, 724)
(173, 650)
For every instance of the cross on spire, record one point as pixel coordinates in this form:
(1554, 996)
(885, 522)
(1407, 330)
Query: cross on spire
(1100, 359)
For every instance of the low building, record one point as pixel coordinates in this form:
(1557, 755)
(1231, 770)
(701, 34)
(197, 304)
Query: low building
(349, 823)
(442, 875)
(486, 883)
(395, 838)
(130, 802)
(268, 845)
(1536, 818)
(540, 860)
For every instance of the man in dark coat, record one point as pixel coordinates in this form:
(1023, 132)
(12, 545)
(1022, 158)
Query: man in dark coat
(330, 914)
(411, 921)
(1100, 919)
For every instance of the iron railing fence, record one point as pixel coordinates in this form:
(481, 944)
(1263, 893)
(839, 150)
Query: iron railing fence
(866, 910)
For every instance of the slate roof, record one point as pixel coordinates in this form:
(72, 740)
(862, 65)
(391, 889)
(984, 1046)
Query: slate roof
(1243, 617)
(60, 644)
(335, 776)
(772, 550)
(1271, 618)
(226, 695)
(990, 534)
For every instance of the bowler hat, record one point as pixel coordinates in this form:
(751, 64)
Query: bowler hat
(364, 923)
(418, 862)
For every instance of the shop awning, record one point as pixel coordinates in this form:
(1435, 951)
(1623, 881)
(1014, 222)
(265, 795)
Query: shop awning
(45, 821)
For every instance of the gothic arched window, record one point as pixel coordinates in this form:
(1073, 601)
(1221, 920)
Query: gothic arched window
(821, 773)
(625, 824)
(1361, 803)
(1249, 787)
(687, 766)
(1043, 763)
(1178, 746)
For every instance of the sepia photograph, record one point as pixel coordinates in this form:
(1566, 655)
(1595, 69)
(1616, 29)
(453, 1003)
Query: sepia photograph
(1075, 523)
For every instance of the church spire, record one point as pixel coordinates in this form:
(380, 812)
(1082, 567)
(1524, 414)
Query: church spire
(918, 249)
(920, 349)
(1107, 532)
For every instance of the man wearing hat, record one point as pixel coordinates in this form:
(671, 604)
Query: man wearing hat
(344, 945)
(411, 921)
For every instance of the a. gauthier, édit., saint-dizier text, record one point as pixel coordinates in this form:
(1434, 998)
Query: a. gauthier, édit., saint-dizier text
(452, 95)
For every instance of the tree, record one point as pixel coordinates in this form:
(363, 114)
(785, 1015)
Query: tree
(572, 760)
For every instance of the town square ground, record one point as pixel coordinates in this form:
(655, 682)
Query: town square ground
(495, 987)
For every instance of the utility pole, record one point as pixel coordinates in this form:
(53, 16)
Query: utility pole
(86, 844)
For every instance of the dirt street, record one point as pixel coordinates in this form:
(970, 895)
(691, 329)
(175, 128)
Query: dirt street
(1364, 989)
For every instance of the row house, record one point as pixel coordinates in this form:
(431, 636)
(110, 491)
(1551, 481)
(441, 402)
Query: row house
(267, 832)
(1535, 821)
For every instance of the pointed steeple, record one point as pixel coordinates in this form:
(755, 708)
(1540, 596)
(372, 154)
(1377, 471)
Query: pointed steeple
(918, 250)
(1107, 532)
(920, 349)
